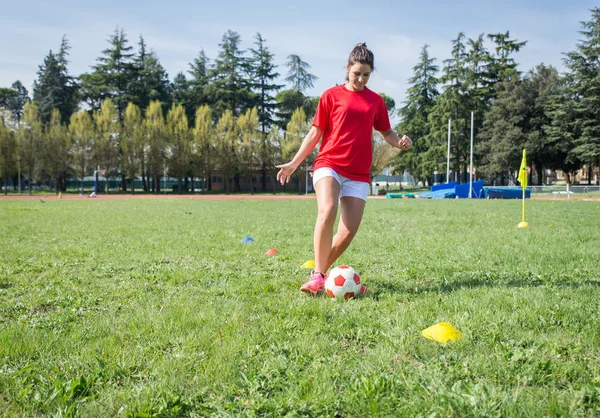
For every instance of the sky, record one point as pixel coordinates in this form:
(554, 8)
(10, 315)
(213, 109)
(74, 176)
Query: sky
(322, 32)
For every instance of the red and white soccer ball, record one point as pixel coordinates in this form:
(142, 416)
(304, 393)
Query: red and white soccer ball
(343, 282)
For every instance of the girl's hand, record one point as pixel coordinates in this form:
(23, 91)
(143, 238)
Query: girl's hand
(405, 143)
(283, 176)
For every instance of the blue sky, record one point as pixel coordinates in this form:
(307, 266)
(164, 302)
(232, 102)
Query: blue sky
(322, 32)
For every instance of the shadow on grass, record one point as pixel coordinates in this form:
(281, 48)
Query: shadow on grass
(5, 285)
(449, 287)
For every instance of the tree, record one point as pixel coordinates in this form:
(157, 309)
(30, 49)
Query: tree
(55, 149)
(30, 140)
(502, 65)
(115, 72)
(295, 133)
(132, 144)
(563, 128)
(16, 102)
(298, 74)
(250, 143)
(452, 104)
(383, 153)
(263, 73)
(181, 95)
(154, 127)
(290, 100)
(203, 148)
(504, 132)
(414, 120)
(226, 132)
(180, 146)
(229, 88)
(584, 65)
(81, 130)
(54, 87)
(106, 145)
(148, 80)
(198, 84)
(8, 154)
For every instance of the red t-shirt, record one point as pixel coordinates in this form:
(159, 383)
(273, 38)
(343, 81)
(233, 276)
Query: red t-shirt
(347, 119)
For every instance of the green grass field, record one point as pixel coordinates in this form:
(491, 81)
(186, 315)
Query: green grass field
(147, 307)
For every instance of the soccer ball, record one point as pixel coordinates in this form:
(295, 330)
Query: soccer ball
(343, 282)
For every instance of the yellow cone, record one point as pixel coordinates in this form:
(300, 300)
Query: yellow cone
(522, 225)
(310, 264)
(442, 332)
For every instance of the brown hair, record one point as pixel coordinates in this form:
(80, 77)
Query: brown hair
(360, 53)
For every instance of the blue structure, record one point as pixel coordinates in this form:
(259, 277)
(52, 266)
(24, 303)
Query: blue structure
(454, 190)
(505, 193)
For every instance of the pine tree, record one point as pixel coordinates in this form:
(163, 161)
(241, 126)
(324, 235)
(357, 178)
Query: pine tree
(263, 74)
(421, 96)
(452, 104)
(148, 79)
(115, 71)
(298, 75)
(198, 84)
(54, 87)
(584, 65)
(502, 65)
(230, 87)
(181, 94)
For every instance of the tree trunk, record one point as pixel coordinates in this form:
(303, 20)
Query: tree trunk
(589, 174)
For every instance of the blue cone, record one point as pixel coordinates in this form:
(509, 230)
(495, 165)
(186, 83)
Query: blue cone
(247, 240)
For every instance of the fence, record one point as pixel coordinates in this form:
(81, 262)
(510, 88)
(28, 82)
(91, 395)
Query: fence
(565, 190)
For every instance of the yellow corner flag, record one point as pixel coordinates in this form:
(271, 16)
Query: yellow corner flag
(523, 180)
(523, 172)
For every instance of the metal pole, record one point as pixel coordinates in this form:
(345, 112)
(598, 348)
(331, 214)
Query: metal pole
(448, 161)
(471, 165)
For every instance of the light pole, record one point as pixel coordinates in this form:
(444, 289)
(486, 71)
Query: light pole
(19, 170)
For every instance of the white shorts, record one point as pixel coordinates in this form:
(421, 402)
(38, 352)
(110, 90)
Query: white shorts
(352, 188)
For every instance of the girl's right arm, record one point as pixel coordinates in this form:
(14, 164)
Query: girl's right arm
(309, 142)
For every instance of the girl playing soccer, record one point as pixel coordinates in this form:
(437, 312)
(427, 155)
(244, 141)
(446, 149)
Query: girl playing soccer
(344, 120)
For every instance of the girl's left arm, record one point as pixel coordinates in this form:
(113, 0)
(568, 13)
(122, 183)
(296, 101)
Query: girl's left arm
(391, 137)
